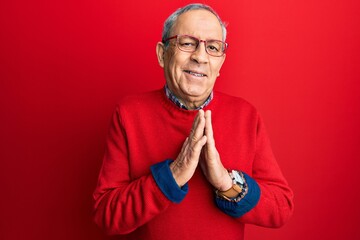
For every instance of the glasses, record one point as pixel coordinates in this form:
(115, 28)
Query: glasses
(189, 44)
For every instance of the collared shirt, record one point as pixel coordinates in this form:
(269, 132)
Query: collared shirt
(177, 102)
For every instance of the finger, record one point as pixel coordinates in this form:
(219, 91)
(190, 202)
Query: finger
(195, 122)
(184, 146)
(194, 126)
(199, 126)
(198, 117)
(197, 146)
(208, 128)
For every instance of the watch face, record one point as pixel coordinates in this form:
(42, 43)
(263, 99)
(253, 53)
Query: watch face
(237, 177)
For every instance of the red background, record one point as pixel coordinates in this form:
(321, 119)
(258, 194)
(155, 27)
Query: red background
(64, 64)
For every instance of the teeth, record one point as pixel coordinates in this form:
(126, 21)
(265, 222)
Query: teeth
(195, 74)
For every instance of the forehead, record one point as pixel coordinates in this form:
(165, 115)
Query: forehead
(198, 23)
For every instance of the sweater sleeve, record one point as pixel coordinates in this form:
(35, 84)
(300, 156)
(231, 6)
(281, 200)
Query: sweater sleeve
(122, 204)
(166, 182)
(275, 205)
(248, 202)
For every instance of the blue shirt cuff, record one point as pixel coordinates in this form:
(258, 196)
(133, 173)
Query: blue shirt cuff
(237, 209)
(166, 182)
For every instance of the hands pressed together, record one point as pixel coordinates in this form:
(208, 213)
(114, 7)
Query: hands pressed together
(199, 148)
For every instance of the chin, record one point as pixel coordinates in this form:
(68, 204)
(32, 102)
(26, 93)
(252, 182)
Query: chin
(194, 92)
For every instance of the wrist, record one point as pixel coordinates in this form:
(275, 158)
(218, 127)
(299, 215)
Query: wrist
(227, 182)
(176, 174)
(238, 189)
(167, 184)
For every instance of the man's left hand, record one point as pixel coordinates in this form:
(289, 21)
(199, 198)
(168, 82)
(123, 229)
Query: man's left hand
(210, 161)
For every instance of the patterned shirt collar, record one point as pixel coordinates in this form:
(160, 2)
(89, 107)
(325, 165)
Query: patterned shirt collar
(177, 102)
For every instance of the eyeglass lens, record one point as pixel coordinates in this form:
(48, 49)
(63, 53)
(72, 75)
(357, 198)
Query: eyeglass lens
(190, 44)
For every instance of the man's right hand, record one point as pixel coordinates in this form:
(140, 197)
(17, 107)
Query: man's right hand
(184, 166)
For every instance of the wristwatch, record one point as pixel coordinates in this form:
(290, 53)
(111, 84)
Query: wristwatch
(237, 191)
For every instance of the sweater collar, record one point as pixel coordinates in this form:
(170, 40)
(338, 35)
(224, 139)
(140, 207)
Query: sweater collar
(177, 102)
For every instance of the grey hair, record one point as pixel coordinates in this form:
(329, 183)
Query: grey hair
(171, 20)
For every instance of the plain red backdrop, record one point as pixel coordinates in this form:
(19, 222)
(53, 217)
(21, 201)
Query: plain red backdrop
(64, 64)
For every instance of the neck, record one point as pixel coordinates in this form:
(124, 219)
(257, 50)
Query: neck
(190, 104)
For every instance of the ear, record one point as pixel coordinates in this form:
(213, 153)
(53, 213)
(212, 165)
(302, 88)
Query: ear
(160, 52)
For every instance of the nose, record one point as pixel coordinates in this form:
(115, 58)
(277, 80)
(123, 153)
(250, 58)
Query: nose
(200, 55)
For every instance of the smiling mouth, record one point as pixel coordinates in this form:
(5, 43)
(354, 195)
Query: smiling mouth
(195, 73)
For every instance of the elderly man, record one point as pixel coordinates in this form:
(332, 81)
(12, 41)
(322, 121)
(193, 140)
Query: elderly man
(186, 162)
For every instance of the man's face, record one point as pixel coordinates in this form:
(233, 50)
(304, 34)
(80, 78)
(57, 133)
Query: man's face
(191, 76)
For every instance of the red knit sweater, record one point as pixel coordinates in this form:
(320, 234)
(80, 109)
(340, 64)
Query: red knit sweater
(149, 128)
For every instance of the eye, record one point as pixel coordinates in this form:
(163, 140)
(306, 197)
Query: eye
(213, 47)
(187, 44)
